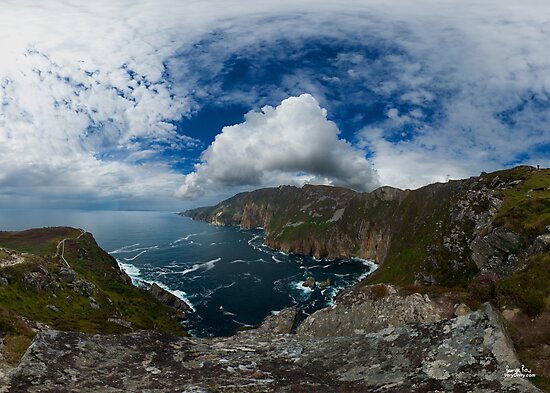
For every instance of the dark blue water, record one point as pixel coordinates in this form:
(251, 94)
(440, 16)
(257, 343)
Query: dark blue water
(227, 274)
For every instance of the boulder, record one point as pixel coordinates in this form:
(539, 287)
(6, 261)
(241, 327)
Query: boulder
(492, 252)
(309, 282)
(281, 322)
(67, 274)
(369, 308)
(163, 296)
(121, 322)
(325, 283)
(462, 309)
(83, 287)
(40, 279)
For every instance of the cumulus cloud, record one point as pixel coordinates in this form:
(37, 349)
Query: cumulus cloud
(89, 94)
(293, 143)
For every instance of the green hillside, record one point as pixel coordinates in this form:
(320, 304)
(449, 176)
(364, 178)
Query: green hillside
(92, 295)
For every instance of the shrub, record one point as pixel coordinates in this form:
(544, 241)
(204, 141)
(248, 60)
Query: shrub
(379, 291)
(482, 287)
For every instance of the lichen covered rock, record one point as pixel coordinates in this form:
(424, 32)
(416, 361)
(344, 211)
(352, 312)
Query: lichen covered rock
(365, 309)
(465, 353)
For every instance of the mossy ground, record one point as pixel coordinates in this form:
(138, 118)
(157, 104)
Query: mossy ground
(526, 207)
(41, 241)
(116, 298)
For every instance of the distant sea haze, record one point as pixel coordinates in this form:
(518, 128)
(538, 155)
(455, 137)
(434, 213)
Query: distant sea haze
(227, 274)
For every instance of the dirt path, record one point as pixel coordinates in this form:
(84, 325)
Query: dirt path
(61, 245)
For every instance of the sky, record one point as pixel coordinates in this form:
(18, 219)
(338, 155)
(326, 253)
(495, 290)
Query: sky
(167, 105)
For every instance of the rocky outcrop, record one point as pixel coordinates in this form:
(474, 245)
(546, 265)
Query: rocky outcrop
(40, 279)
(163, 296)
(309, 283)
(493, 249)
(281, 322)
(469, 352)
(366, 309)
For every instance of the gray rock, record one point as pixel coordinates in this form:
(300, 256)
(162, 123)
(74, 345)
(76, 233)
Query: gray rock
(463, 354)
(462, 310)
(93, 304)
(53, 308)
(366, 309)
(167, 298)
(67, 274)
(121, 322)
(498, 245)
(281, 322)
(325, 283)
(84, 288)
(40, 280)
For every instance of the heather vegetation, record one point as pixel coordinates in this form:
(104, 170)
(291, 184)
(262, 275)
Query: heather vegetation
(93, 295)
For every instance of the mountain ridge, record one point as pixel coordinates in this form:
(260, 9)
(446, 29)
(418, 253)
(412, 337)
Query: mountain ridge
(423, 226)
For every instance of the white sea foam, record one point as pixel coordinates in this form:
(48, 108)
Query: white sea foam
(210, 264)
(135, 274)
(196, 266)
(143, 251)
(252, 277)
(366, 262)
(176, 292)
(298, 285)
(225, 312)
(253, 238)
(248, 262)
(130, 269)
(209, 292)
(239, 261)
(135, 256)
(181, 239)
(277, 260)
(123, 249)
(242, 324)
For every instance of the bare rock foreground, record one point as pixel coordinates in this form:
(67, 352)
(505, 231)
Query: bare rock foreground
(464, 354)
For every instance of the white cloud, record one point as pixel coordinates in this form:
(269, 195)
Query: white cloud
(83, 93)
(293, 143)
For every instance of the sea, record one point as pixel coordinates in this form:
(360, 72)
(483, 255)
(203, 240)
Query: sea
(227, 275)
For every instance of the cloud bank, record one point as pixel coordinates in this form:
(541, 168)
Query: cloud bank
(91, 95)
(293, 143)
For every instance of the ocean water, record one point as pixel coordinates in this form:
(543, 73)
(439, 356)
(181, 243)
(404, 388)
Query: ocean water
(227, 274)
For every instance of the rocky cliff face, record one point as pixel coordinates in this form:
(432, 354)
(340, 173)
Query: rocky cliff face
(441, 234)
(481, 239)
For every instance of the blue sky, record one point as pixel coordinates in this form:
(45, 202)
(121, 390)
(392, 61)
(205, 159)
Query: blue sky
(168, 105)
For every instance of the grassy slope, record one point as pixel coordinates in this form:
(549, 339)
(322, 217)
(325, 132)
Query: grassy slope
(526, 210)
(116, 298)
(418, 222)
